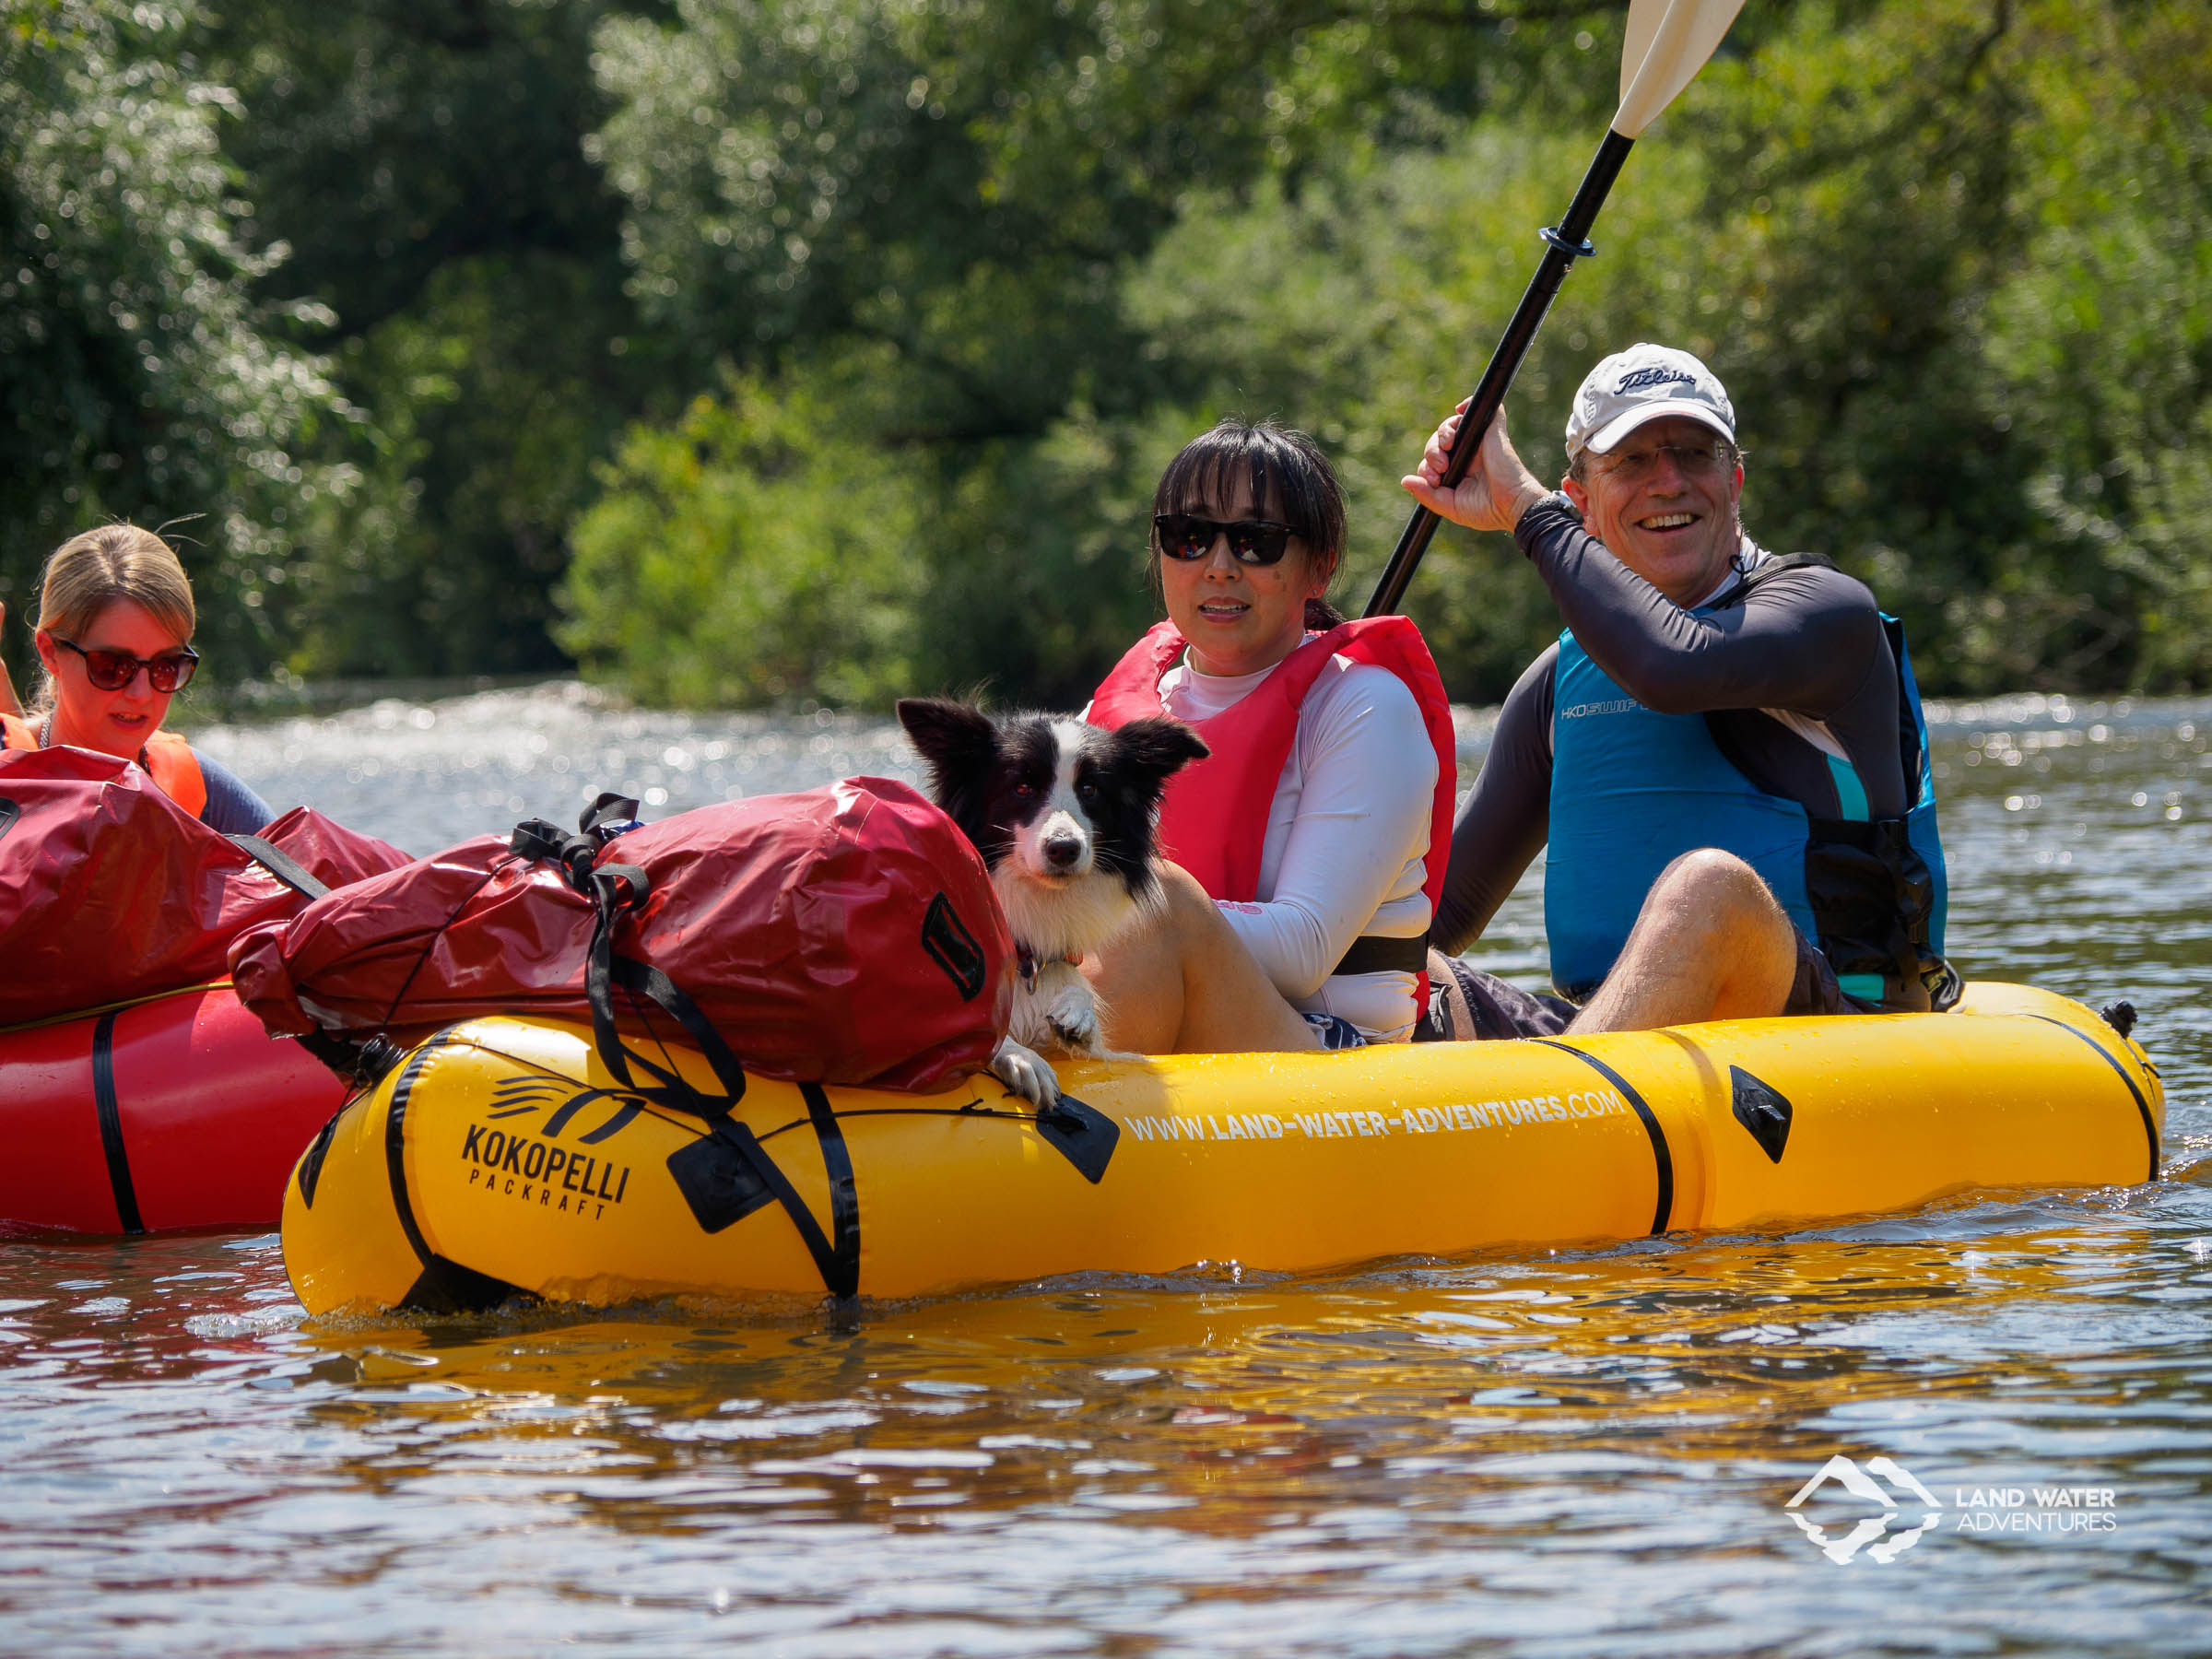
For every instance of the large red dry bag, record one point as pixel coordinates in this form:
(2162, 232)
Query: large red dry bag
(846, 935)
(110, 890)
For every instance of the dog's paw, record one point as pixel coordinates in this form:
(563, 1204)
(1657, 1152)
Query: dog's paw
(1074, 1028)
(1071, 1011)
(1027, 1073)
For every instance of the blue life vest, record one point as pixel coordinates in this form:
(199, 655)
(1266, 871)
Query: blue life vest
(1633, 790)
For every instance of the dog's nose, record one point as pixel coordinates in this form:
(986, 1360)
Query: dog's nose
(1061, 851)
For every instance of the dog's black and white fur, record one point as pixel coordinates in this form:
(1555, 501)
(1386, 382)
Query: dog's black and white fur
(1066, 815)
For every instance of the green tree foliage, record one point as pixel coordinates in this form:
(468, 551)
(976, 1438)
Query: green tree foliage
(967, 180)
(425, 164)
(1847, 223)
(2101, 337)
(840, 341)
(1926, 180)
(1950, 258)
(736, 558)
(140, 375)
(971, 187)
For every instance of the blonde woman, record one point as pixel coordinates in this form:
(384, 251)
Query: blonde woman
(114, 637)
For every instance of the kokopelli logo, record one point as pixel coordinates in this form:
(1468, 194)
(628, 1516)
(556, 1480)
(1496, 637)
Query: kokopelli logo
(1872, 1534)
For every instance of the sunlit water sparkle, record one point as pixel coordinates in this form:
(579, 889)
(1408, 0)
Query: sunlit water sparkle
(1519, 1452)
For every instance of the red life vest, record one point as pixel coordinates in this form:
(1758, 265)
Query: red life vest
(1213, 819)
(166, 757)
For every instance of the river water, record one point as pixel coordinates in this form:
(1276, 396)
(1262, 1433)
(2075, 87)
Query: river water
(1524, 1454)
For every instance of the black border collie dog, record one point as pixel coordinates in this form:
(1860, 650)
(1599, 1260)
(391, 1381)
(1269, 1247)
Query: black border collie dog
(1065, 814)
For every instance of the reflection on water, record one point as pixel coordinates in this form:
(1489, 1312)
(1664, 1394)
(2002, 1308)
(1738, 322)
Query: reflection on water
(427, 775)
(1528, 1455)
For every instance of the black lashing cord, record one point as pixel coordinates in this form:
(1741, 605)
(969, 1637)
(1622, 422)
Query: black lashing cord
(1084, 1135)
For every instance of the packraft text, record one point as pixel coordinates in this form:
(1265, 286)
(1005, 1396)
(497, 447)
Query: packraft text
(537, 1172)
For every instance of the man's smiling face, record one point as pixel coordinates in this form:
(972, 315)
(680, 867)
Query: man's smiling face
(1663, 500)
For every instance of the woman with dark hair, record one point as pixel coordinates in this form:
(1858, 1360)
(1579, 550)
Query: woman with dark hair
(1310, 842)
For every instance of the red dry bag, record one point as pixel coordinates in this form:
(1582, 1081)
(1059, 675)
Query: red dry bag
(846, 935)
(110, 890)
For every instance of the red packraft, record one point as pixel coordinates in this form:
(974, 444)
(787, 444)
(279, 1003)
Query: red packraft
(110, 890)
(846, 935)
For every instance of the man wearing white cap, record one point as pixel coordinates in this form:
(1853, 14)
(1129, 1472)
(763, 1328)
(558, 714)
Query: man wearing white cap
(1724, 750)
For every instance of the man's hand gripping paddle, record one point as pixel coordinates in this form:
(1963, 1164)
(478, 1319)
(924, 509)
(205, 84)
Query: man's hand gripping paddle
(1668, 42)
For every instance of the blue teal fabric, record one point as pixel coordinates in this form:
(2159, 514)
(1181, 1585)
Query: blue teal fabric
(1633, 790)
(233, 808)
(1920, 822)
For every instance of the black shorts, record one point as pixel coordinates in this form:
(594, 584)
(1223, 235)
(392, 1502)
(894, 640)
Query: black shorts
(1465, 1005)
(1813, 990)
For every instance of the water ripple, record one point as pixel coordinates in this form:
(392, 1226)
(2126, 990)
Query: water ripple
(1526, 1455)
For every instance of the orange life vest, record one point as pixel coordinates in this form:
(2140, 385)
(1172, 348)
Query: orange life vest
(167, 758)
(1213, 817)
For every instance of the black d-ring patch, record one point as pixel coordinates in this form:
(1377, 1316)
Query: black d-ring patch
(1763, 1111)
(953, 949)
(1083, 1135)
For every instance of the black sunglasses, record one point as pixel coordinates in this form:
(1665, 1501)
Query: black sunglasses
(1253, 541)
(112, 670)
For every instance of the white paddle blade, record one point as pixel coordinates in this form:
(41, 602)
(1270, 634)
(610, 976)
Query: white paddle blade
(1668, 42)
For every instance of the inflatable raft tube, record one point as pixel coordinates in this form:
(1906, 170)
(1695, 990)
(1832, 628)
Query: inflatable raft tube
(168, 1112)
(502, 1157)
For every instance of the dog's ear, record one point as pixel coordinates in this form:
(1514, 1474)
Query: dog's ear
(1158, 748)
(955, 739)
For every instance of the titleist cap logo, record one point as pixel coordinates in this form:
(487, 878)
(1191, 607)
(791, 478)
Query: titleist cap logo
(1645, 383)
(1654, 377)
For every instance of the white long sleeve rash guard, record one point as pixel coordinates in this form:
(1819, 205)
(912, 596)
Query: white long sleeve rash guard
(1347, 833)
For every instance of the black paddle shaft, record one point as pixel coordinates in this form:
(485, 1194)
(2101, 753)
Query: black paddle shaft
(1570, 241)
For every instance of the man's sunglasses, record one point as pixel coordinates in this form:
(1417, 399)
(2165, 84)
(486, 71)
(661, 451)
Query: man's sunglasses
(112, 670)
(1253, 541)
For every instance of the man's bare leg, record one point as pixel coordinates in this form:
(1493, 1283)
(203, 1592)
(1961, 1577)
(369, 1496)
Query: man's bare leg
(1183, 983)
(1711, 943)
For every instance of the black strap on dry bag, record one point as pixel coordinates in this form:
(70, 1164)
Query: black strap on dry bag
(614, 889)
(282, 866)
(359, 1059)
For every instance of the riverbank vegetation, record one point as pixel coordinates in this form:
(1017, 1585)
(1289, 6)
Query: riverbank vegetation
(756, 351)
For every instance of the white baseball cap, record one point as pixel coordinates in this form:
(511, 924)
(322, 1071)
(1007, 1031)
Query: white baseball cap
(1645, 383)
